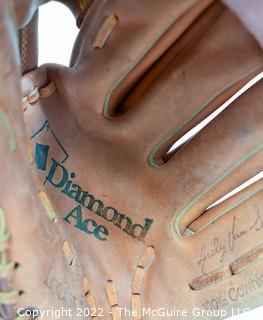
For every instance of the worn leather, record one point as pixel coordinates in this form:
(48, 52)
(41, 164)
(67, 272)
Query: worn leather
(100, 133)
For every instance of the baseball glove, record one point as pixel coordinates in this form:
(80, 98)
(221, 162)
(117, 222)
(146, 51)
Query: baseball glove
(121, 209)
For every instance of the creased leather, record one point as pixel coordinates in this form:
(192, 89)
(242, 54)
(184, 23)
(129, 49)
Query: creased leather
(127, 225)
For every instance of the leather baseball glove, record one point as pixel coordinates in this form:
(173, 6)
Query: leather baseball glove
(106, 217)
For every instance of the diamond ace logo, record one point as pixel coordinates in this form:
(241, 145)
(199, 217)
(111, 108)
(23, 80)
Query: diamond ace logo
(59, 177)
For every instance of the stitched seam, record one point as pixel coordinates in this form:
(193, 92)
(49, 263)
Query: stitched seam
(199, 110)
(213, 184)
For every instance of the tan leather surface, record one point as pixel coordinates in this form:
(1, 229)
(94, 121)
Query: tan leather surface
(31, 235)
(100, 131)
(28, 45)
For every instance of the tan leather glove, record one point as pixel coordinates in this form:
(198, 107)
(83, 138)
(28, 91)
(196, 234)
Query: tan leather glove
(25, 231)
(130, 230)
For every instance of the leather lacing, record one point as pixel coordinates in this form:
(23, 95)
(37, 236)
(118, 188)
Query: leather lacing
(111, 290)
(112, 298)
(105, 31)
(46, 203)
(38, 93)
(239, 265)
(137, 286)
(8, 296)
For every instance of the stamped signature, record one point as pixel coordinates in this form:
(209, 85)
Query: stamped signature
(219, 247)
